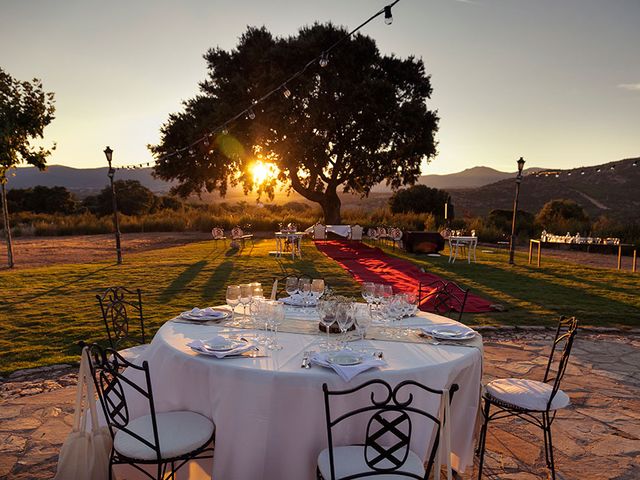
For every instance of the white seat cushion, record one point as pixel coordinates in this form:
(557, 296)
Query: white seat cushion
(350, 460)
(178, 433)
(132, 353)
(526, 394)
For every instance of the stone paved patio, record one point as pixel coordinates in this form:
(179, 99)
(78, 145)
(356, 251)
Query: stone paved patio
(598, 437)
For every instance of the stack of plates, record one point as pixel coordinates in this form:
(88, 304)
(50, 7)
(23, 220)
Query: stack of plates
(450, 332)
(204, 314)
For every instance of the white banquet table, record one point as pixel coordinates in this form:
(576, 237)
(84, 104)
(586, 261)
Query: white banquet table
(269, 412)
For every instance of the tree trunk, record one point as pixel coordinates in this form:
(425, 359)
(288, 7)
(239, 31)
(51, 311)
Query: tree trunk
(7, 227)
(331, 207)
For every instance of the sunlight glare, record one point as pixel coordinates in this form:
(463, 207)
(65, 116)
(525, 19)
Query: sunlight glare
(263, 172)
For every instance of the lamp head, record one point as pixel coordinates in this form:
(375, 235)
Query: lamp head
(108, 153)
(520, 165)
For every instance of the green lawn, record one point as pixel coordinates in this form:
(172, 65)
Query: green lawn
(45, 311)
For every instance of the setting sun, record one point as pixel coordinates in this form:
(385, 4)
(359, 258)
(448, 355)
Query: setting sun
(263, 172)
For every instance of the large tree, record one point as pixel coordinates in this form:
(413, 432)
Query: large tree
(360, 120)
(25, 109)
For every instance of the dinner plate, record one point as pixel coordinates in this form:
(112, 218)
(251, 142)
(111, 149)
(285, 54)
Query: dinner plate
(217, 315)
(345, 359)
(455, 333)
(223, 345)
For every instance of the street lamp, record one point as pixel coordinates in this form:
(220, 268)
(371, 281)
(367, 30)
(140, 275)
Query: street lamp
(512, 245)
(109, 154)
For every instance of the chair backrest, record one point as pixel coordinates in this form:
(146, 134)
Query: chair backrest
(319, 232)
(391, 412)
(356, 232)
(396, 234)
(217, 233)
(372, 233)
(236, 232)
(119, 306)
(115, 389)
(562, 343)
(443, 298)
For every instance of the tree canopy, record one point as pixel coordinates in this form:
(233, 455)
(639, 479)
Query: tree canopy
(133, 198)
(360, 120)
(41, 199)
(558, 216)
(25, 109)
(419, 199)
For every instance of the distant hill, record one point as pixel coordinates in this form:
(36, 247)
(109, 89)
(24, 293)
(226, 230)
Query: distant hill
(82, 181)
(612, 189)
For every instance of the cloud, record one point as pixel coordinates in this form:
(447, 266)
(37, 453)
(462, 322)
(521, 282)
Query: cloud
(632, 87)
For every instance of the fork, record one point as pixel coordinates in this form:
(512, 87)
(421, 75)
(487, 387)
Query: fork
(306, 363)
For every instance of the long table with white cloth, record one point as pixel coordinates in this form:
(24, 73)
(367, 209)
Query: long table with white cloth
(269, 413)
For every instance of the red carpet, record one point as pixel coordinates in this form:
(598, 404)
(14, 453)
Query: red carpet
(368, 264)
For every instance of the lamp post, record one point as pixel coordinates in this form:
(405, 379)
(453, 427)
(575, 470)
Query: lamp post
(512, 245)
(109, 154)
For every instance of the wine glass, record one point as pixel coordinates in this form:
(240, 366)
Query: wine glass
(276, 317)
(245, 296)
(317, 289)
(368, 291)
(304, 288)
(344, 317)
(362, 318)
(233, 298)
(291, 286)
(256, 309)
(327, 317)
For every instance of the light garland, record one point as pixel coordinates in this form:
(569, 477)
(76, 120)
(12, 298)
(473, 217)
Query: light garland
(322, 59)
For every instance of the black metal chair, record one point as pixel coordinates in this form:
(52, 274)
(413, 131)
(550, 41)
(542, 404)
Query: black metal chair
(530, 400)
(443, 298)
(168, 439)
(391, 412)
(121, 307)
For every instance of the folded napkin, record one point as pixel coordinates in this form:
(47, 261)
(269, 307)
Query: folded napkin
(204, 313)
(200, 347)
(347, 372)
(449, 330)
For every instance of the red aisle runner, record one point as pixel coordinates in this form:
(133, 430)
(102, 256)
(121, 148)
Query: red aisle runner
(368, 264)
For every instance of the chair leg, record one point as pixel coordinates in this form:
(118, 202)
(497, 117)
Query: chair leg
(548, 445)
(483, 437)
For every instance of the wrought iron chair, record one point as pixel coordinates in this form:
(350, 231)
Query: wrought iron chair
(168, 439)
(530, 400)
(120, 307)
(391, 413)
(217, 233)
(443, 298)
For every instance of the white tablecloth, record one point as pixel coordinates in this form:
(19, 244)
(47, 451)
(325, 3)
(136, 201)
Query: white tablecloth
(269, 412)
(342, 230)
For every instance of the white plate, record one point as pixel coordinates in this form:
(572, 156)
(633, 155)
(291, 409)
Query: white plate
(345, 359)
(444, 333)
(218, 345)
(297, 301)
(219, 315)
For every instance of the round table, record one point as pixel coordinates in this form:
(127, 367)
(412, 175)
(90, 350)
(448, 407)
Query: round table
(269, 412)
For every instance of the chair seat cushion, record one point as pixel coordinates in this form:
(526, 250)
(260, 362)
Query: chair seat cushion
(350, 460)
(526, 394)
(178, 433)
(132, 353)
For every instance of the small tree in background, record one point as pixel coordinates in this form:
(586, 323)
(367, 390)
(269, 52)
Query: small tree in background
(559, 216)
(419, 199)
(133, 198)
(25, 109)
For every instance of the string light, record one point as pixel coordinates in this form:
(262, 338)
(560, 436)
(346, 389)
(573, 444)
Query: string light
(322, 60)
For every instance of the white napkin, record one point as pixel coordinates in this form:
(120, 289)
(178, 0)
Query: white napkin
(200, 347)
(347, 372)
(203, 313)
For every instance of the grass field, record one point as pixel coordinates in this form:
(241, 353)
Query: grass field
(45, 311)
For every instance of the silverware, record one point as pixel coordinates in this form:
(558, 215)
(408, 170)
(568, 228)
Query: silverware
(379, 355)
(306, 359)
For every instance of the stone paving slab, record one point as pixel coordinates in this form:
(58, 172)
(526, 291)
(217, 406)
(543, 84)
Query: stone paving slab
(596, 438)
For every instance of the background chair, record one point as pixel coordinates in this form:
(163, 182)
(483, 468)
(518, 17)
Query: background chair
(218, 235)
(443, 298)
(319, 232)
(356, 233)
(391, 413)
(121, 308)
(530, 400)
(168, 440)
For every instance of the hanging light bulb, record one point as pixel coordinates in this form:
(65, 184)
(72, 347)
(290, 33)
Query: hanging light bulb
(225, 131)
(613, 167)
(191, 152)
(582, 172)
(569, 174)
(388, 18)
(251, 114)
(598, 170)
(179, 155)
(324, 59)
(206, 142)
(634, 164)
(286, 92)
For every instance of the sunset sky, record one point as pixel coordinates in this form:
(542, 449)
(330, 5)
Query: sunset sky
(555, 81)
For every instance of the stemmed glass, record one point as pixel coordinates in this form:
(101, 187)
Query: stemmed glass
(362, 318)
(246, 291)
(344, 317)
(233, 299)
(317, 289)
(276, 317)
(368, 292)
(327, 317)
(291, 286)
(257, 311)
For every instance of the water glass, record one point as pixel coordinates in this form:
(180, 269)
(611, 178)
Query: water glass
(368, 292)
(291, 286)
(344, 318)
(327, 316)
(245, 296)
(317, 289)
(276, 317)
(362, 318)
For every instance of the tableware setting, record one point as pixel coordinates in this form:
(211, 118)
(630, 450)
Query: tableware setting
(204, 314)
(450, 332)
(221, 346)
(347, 363)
